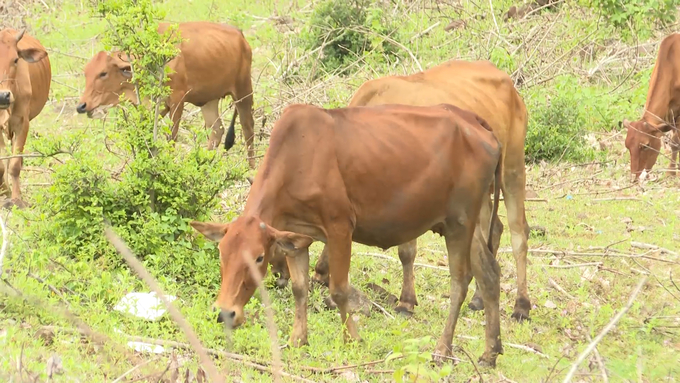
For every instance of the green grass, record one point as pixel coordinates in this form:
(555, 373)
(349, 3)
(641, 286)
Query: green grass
(644, 346)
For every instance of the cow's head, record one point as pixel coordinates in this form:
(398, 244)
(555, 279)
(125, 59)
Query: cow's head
(643, 141)
(245, 240)
(11, 58)
(107, 76)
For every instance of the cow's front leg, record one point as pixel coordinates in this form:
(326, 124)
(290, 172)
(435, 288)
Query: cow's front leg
(298, 266)
(339, 257)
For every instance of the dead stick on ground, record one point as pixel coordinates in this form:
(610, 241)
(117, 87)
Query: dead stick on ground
(576, 265)
(559, 288)
(648, 246)
(5, 242)
(271, 325)
(605, 330)
(176, 315)
(599, 362)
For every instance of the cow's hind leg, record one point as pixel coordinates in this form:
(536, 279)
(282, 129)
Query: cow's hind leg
(407, 255)
(17, 162)
(486, 271)
(211, 115)
(458, 242)
(674, 167)
(339, 257)
(321, 275)
(4, 186)
(244, 106)
(477, 303)
(513, 191)
(298, 266)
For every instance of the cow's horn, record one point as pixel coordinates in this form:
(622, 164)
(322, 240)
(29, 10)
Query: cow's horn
(20, 35)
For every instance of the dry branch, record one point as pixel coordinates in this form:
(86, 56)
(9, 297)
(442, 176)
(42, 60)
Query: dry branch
(647, 246)
(605, 330)
(176, 315)
(5, 242)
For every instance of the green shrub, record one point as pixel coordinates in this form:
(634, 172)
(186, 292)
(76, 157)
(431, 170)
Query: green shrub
(559, 123)
(158, 187)
(348, 30)
(641, 15)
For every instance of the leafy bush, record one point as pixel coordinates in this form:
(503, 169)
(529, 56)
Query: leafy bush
(157, 189)
(348, 30)
(642, 15)
(557, 127)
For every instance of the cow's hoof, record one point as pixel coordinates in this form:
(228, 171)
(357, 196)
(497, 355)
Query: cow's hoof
(476, 304)
(281, 282)
(487, 360)
(521, 312)
(405, 309)
(8, 204)
(321, 279)
(441, 355)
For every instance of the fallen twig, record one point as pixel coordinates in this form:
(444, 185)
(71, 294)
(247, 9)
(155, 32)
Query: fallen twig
(271, 325)
(511, 345)
(5, 242)
(648, 246)
(576, 265)
(387, 314)
(559, 288)
(605, 330)
(598, 360)
(176, 315)
(128, 372)
(622, 199)
(424, 32)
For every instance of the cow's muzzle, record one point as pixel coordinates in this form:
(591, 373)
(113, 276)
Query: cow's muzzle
(6, 99)
(81, 108)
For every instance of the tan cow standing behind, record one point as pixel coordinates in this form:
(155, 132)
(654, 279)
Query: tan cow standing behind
(485, 90)
(662, 110)
(25, 77)
(341, 176)
(214, 62)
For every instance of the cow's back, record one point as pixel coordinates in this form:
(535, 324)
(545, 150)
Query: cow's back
(390, 169)
(215, 60)
(476, 86)
(40, 74)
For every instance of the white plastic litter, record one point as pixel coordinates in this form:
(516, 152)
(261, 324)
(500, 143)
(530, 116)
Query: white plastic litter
(146, 347)
(143, 305)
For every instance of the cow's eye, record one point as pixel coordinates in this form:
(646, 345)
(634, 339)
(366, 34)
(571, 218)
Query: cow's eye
(103, 74)
(260, 259)
(16, 61)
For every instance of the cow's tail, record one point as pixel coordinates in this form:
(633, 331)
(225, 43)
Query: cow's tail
(230, 138)
(496, 200)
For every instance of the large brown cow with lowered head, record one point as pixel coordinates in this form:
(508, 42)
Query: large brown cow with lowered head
(214, 62)
(662, 110)
(380, 176)
(25, 76)
(485, 90)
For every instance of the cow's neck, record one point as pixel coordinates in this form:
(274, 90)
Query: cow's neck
(661, 104)
(261, 203)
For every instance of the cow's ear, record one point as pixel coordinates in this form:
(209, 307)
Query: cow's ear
(288, 241)
(664, 127)
(212, 231)
(32, 55)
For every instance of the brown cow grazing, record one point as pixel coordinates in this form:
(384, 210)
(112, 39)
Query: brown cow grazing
(25, 77)
(214, 61)
(662, 110)
(490, 93)
(380, 176)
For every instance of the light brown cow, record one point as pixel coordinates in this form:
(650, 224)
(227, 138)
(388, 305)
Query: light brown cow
(214, 62)
(340, 175)
(662, 111)
(25, 77)
(490, 93)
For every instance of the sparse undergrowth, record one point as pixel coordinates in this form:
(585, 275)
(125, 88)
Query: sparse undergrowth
(579, 76)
